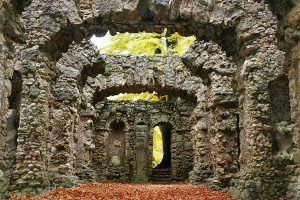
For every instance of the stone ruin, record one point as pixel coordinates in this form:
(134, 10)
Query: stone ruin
(232, 122)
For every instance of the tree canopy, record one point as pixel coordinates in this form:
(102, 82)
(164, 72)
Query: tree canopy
(151, 44)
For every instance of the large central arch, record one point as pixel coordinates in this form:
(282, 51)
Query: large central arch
(53, 60)
(167, 75)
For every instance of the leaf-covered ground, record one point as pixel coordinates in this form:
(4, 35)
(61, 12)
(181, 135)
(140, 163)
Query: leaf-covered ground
(116, 191)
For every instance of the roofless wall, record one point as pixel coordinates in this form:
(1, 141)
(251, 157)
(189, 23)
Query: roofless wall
(228, 79)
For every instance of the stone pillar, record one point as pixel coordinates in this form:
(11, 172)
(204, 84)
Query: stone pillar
(215, 132)
(294, 186)
(201, 170)
(99, 155)
(4, 93)
(65, 120)
(224, 148)
(256, 177)
(32, 157)
(84, 147)
(62, 148)
(141, 154)
(256, 142)
(255, 116)
(222, 106)
(260, 62)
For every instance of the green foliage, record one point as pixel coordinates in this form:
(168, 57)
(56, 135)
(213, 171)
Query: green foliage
(114, 110)
(150, 44)
(134, 43)
(153, 59)
(180, 44)
(283, 128)
(107, 70)
(158, 151)
(146, 96)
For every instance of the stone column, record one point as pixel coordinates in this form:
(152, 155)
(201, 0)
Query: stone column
(215, 133)
(85, 146)
(294, 186)
(256, 142)
(99, 155)
(260, 62)
(62, 148)
(31, 157)
(65, 120)
(4, 93)
(141, 154)
(256, 177)
(222, 106)
(200, 141)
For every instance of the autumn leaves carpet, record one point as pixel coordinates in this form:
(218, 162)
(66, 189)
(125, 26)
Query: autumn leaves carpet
(119, 191)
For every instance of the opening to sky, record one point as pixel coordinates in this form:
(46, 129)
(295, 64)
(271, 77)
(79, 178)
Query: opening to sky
(143, 43)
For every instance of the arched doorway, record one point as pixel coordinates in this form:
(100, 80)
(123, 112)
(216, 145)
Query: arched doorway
(165, 131)
(162, 152)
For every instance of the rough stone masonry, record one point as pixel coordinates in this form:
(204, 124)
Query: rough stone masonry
(234, 96)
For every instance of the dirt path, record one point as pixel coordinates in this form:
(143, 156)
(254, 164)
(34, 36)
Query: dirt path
(118, 191)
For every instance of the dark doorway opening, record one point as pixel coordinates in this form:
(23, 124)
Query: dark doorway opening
(238, 138)
(166, 129)
(117, 126)
(14, 110)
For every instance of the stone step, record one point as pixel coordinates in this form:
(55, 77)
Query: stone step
(164, 174)
(162, 170)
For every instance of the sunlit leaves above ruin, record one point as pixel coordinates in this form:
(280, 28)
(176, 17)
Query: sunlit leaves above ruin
(145, 96)
(142, 43)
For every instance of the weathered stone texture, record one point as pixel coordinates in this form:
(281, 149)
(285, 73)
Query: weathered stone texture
(208, 61)
(150, 114)
(33, 133)
(8, 30)
(232, 82)
(292, 38)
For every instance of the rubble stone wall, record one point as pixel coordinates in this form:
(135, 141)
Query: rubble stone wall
(292, 40)
(9, 108)
(47, 127)
(150, 114)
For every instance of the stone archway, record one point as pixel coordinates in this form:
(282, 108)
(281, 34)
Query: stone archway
(163, 170)
(78, 90)
(259, 59)
(172, 76)
(141, 116)
(166, 130)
